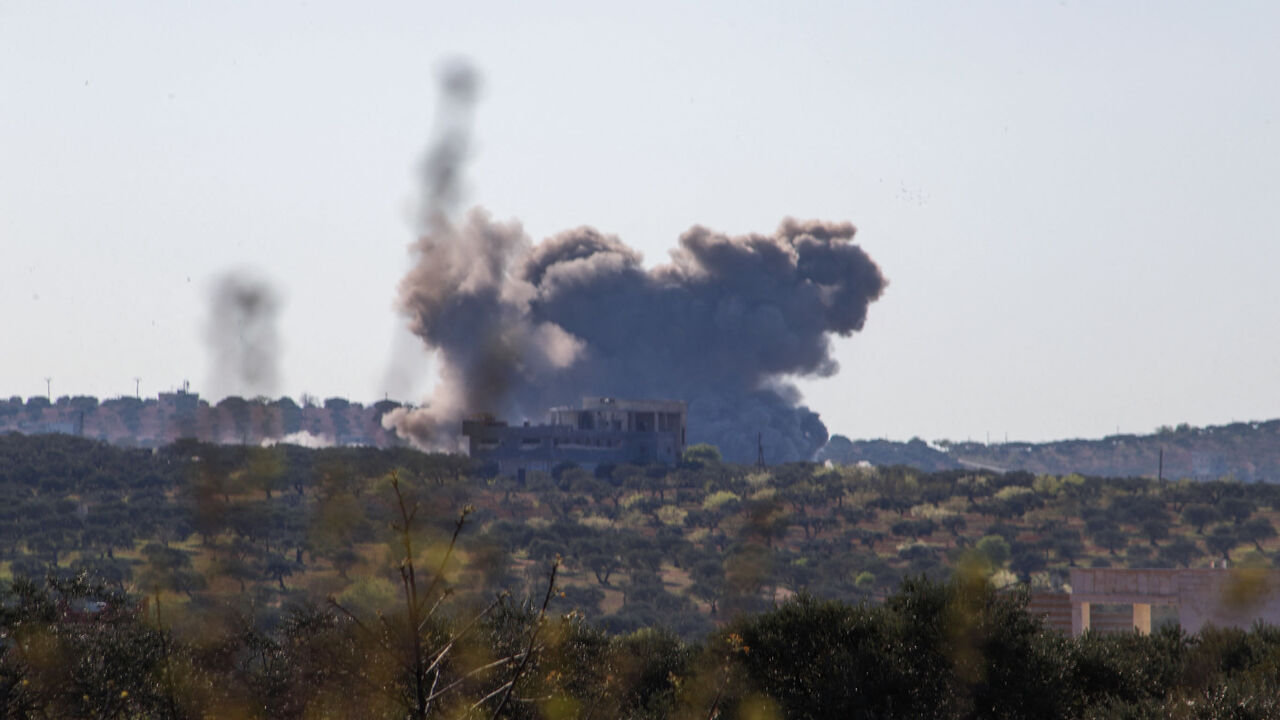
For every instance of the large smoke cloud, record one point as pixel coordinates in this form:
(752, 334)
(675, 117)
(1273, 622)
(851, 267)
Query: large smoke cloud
(519, 327)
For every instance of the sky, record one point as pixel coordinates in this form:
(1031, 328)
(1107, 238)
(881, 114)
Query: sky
(1075, 203)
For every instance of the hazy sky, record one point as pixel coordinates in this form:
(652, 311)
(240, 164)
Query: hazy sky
(1076, 204)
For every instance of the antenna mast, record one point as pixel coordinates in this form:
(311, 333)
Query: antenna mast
(760, 451)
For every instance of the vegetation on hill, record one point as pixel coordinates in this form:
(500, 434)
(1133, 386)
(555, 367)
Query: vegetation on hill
(686, 547)
(272, 581)
(1246, 451)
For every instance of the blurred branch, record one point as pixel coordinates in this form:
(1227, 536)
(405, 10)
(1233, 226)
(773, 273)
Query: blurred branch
(533, 638)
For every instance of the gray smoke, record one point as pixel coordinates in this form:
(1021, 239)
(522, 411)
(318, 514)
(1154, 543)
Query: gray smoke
(441, 192)
(241, 336)
(518, 327)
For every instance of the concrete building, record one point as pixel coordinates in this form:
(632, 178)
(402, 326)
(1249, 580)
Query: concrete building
(603, 430)
(1236, 597)
(1225, 598)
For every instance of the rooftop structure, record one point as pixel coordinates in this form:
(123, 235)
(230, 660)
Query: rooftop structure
(602, 430)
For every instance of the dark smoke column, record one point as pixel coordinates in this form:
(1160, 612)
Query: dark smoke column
(518, 327)
(456, 296)
(722, 326)
(241, 336)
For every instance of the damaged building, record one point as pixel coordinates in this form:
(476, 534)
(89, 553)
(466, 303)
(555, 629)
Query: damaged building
(603, 430)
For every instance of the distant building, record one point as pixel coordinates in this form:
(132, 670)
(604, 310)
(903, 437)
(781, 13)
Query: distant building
(179, 413)
(603, 430)
(1122, 599)
(154, 422)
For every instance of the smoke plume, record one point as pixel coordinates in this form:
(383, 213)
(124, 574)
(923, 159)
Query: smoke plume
(518, 327)
(441, 193)
(241, 335)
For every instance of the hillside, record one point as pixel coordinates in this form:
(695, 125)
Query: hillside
(1246, 451)
(265, 559)
(684, 547)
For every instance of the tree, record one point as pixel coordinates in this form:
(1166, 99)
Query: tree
(1221, 541)
(1137, 509)
(1066, 544)
(52, 537)
(1095, 521)
(800, 495)
(1235, 509)
(1138, 556)
(869, 538)
(766, 521)
(946, 651)
(701, 454)
(815, 525)
(168, 569)
(898, 488)
(1010, 532)
(277, 567)
(708, 582)
(1185, 492)
(1255, 530)
(995, 549)
(1198, 516)
(266, 470)
(954, 524)
(1181, 551)
(914, 529)
(602, 563)
(343, 560)
(1112, 539)
(1026, 562)
(1014, 501)
(1155, 530)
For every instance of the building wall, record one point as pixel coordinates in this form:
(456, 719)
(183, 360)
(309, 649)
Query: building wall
(602, 430)
(1225, 598)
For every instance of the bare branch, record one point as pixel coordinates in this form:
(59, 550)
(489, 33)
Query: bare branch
(473, 672)
(458, 635)
(486, 698)
(537, 627)
(371, 634)
(448, 554)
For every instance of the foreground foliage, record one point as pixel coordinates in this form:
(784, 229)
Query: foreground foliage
(954, 650)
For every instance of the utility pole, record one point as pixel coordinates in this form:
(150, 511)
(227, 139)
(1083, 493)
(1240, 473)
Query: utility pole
(137, 387)
(760, 450)
(48, 388)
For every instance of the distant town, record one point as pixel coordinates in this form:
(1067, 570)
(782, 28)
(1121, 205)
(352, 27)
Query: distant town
(158, 421)
(1246, 451)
